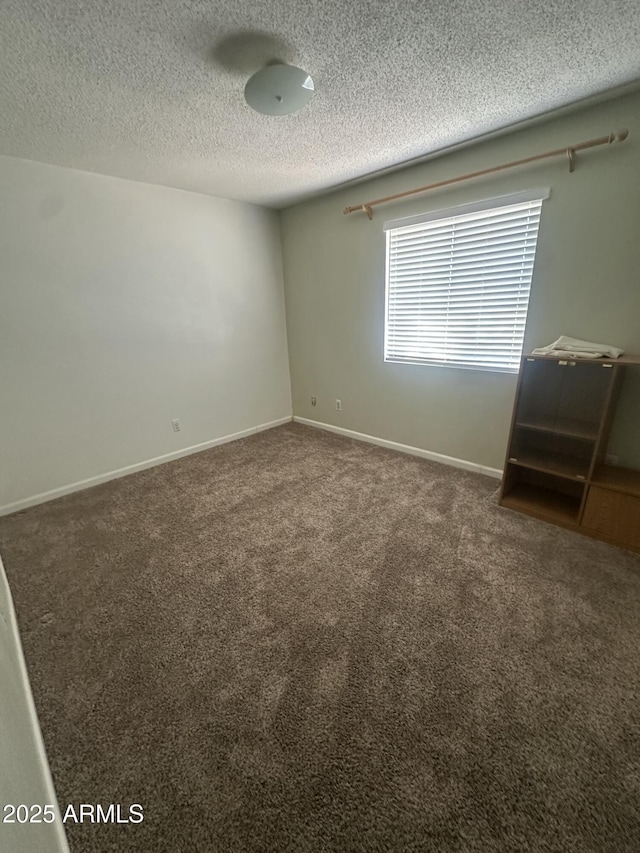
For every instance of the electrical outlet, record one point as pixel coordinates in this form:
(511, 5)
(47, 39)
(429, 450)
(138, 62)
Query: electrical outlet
(313, 401)
(176, 425)
(611, 459)
(338, 405)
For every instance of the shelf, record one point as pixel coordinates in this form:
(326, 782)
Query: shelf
(618, 479)
(560, 464)
(560, 431)
(623, 359)
(562, 426)
(545, 503)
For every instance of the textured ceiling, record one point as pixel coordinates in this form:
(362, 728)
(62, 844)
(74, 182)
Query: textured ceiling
(152, 89)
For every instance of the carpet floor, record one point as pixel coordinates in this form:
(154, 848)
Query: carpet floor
(299, 642)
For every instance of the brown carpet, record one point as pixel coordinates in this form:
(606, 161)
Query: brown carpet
(298, 642)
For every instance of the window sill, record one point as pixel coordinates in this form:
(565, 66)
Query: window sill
(512, 371)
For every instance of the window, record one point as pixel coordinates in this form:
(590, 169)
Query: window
(458, 283)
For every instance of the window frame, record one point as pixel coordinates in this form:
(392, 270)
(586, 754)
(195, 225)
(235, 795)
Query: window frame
(536, 194)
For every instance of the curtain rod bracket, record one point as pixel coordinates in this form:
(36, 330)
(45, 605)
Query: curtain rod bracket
(571, 154)
(368, 210)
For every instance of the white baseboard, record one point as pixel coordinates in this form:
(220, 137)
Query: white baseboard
(138, 466)
(405, 448)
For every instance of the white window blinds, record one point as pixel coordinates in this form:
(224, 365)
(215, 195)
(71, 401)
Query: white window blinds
(458, 285)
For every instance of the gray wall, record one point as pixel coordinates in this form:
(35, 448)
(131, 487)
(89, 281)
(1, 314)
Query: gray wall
(123, 306)
(586, 284)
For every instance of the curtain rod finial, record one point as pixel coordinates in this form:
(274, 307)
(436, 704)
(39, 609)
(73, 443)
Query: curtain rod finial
(620, 136)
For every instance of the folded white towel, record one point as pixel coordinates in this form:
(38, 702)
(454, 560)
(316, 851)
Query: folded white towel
(574, 348)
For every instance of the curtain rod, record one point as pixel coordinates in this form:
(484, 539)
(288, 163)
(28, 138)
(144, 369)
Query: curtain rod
(569, 151)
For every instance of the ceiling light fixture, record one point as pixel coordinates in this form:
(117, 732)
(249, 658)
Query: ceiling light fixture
(278, 90)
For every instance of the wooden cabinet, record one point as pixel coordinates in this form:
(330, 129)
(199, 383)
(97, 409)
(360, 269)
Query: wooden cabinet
(613, 515)
(554, 468)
